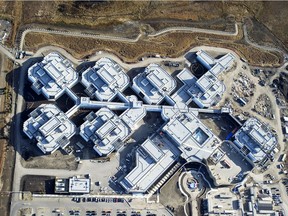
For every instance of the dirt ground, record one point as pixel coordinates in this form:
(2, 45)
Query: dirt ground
(57, 160)
(38, 184)
(171, 196)
(120, 16)
(6, 180)
(221, 125)
(242, 87)
(170, 45)
(273, 15)
(7, 153)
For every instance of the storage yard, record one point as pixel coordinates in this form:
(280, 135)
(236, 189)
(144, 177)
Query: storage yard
(263, 107)
(242, 88)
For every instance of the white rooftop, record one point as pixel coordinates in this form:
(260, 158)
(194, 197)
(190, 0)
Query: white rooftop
(257, 139)
(153, 158)
(215, 66)
(79, 185)
(105, 79)
(50, 127)
(52, 76)
(154, 84)
(104, 128)
(183, 135)
(222, 201)
(188, 137)
(191, 136)
(207, 60)
(208, 89)
(134, 114)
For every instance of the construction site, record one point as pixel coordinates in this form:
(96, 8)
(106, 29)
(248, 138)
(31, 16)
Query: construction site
(110, 116)
(163, 99)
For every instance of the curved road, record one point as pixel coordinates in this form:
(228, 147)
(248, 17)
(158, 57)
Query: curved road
(123, 39)
(268, 48)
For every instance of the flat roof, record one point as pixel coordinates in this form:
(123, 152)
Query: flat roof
(153, 158)
(222, 201)
(79, 185)
(190, 134)
(132, 116)
(104, 128)
(50, 127)
(257, 138)
(208, 89)
(154, 83)
(217, 69)
(205, 92)
(205, 58)
(215, 66)
(52, 75)
(181, 97)
(104, 80)
(226, 60)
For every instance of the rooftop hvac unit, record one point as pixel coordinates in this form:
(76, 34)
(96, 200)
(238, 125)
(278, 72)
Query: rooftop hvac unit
(63, 141)
(38, 84)
(142, 152)
(34, 114)
(66, 62)
(91, 89)
(91, 116)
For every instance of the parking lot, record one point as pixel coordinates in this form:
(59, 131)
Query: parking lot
(91, 206)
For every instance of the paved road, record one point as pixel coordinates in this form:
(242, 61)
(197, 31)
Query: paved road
(5, 51)
(198, 30)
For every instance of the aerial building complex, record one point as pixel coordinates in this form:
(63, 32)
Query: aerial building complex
(153, 158)
(206, 91)
(182, 136)
(191, 136)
